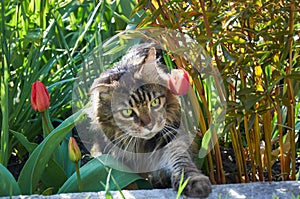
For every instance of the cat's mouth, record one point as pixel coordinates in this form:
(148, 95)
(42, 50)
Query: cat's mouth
(146, 133)
(146, 136)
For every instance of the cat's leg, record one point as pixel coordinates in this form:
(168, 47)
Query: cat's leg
(198, 185)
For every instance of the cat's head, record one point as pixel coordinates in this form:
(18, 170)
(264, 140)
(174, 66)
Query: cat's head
(135, 100)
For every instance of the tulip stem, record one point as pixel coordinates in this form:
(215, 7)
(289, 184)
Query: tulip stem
(45, 122)
(47, 125)
(78, 177)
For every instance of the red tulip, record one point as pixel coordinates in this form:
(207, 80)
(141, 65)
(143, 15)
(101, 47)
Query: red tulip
(40, 99)
(179, 81)
(74, 151)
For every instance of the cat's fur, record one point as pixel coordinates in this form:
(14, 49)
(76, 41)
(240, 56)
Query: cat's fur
(139, 115)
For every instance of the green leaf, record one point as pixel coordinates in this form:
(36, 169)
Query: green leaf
(205, 142)
(251, 101)
(245, 91)
(182, 184)
(53, 176)
(141, 5)
(35, 165)
(29, 146)
(95, 172)
(294, 75)
(227, 54)
(9, 186)
(63, 157)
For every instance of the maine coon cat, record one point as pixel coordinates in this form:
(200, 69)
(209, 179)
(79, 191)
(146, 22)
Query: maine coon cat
(140, 117)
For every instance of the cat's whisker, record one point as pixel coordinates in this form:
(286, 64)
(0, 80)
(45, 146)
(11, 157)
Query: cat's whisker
(114, 141)
(126, 148)
(168, 133)
(117, 140)
(137, 145)
(133, 148)
(171, 127)
(121, 139)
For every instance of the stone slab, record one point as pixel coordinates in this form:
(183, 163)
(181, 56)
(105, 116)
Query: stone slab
(257, 190)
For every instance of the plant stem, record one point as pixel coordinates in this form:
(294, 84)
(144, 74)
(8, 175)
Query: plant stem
(291, 95)
(268, 131)
(5, 116)
(219, 164)
(45, 122)
(4, 80)
(237, 152)
(243, 160)
(279, 121)
(211, 168)
(258, 156)
(249, 143)
(246, 126)
(78, 177)
(115, 182)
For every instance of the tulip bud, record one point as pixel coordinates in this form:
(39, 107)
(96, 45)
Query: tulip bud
(40, 99)
(74, 151)
(179, 82)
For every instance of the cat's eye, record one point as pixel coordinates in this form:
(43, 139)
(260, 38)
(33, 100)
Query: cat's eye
(155, 102)
(127, 112)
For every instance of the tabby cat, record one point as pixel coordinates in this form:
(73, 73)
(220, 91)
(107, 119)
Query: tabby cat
(141, 118)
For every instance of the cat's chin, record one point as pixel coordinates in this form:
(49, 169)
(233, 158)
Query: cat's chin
(146, 136)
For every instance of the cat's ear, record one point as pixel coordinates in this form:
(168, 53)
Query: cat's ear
(103, 85)
(150, 64)
(151, 57)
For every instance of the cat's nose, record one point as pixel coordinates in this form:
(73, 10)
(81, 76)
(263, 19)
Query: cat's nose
(149, 126)
(145, 120)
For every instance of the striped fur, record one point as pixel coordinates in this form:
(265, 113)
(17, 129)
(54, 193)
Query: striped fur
(138, 114)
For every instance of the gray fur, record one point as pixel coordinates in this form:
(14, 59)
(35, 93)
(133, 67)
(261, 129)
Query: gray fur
(136, 82)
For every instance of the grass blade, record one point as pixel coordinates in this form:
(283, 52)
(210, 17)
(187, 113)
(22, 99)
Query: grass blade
(4, 92)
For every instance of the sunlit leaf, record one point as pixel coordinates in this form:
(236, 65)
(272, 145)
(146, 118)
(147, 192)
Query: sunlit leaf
(205, 144)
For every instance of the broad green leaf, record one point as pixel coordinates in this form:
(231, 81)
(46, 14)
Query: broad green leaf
(8, 184)
(95, 172)
(29, 146)
(35, 165)
(53, 176)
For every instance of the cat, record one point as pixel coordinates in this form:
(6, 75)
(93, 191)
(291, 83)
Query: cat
(140, 117)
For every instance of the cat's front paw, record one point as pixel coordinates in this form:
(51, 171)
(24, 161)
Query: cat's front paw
(198, 186)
